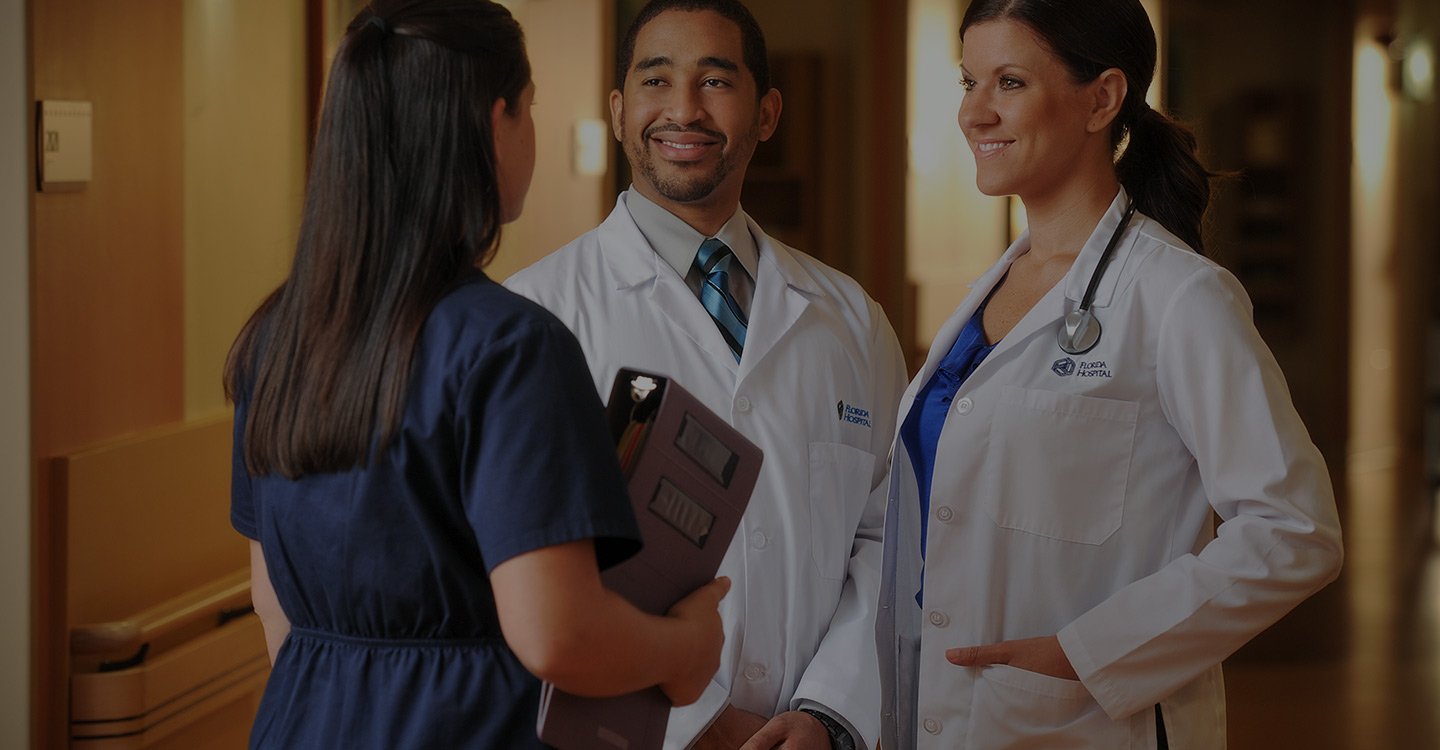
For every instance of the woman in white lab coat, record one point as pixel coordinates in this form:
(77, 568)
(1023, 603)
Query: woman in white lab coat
(1053, 575)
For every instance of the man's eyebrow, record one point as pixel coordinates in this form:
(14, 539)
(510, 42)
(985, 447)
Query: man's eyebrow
(719, 62)
(662, 61)
(654, 62)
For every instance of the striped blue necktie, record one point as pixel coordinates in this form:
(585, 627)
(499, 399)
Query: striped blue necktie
(714, 261)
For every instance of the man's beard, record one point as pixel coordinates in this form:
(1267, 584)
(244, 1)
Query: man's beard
(691, 184)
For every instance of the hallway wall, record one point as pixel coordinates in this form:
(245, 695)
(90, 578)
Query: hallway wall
(1416, 271)
(15, 180)
(565, 38)
(245, 136)
(108, 258)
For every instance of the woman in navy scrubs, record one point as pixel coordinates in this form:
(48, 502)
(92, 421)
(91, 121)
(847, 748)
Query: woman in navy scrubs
(420, 458)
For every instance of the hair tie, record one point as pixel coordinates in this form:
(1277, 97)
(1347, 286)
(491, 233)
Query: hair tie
(378, 23)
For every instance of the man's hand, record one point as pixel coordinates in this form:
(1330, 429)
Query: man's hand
(1040, 655)
(730, 730)
(792, 730)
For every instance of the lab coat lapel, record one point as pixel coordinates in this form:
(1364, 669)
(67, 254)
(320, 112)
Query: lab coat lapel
(979, 290)
(637, 267)
(783, 289)
(950, 330)
(1079, 276)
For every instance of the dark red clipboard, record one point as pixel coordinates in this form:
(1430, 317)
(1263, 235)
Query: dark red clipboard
(690, 476)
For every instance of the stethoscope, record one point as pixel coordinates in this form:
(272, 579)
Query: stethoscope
(1081, 331)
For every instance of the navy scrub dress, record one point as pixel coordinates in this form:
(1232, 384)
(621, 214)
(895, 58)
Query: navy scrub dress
(383, 571)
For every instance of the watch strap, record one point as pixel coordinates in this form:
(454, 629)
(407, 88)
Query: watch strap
(840, 738)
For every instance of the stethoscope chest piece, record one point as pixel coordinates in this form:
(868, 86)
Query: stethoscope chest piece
(1080, 333)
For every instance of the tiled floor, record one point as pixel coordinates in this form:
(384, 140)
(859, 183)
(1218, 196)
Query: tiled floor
(1384, 690)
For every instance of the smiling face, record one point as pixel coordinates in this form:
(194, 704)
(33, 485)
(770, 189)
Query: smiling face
(1032, 128)
(689, 117)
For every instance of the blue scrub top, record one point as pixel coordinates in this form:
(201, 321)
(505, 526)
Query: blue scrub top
(921, 429)
(384, 571)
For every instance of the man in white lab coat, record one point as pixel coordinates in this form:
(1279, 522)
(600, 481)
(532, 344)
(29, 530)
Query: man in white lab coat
(795, 355)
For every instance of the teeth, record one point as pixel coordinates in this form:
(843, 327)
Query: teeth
(684, 146)
(991, 146)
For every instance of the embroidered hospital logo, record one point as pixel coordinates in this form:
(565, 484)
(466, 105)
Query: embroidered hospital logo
(852, 414)
(1063, 367)
(1099, 369)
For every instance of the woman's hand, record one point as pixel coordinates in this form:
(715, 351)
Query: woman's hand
(1040, 655)
(699, 612)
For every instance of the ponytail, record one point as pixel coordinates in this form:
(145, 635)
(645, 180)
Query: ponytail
(1161, 170)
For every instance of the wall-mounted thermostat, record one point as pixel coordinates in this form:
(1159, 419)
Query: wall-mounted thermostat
(63, 145)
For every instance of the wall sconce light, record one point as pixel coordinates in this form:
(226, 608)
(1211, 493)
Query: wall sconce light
(1418, 70)
(591, 146)
(1411, 66)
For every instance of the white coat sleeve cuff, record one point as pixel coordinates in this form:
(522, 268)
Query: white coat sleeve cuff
(1088, 671)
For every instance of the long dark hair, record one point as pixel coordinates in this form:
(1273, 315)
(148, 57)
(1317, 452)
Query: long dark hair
(402, 203)
(1159, 167)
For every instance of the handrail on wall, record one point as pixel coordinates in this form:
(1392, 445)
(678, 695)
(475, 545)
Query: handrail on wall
(190, 609)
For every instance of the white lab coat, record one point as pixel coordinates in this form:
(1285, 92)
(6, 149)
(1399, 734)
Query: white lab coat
(1074, 495)
(817, 390)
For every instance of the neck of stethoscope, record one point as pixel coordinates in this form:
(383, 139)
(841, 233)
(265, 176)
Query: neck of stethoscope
(1105, 256)
(1080, 331)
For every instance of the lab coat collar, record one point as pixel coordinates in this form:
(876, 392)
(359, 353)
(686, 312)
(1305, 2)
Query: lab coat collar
(781, 260)
(633, 262)
(950, 331)
(1079, 275)
(783, 287)
(783, 290)
(626, 251)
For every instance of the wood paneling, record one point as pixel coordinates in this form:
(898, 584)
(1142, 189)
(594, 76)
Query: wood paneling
(129, 525)
(108, 303)
(885, 161)
(148, 519)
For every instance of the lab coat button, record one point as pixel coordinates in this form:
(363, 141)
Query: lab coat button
(742, 404)
(943, 514)
(754, 672)
(931, 725)
(758, 540)
(939, 619)
(964, 405)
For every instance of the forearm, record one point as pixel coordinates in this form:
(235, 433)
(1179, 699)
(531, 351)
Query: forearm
(1159, 633)
(616, 649)
(570, 630)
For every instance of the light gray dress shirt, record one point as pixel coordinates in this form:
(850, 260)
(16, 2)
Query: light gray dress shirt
(678, 243)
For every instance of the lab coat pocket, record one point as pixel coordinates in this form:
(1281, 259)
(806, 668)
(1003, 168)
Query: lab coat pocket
(839, 489)
(1015, 708)
(1059, 464)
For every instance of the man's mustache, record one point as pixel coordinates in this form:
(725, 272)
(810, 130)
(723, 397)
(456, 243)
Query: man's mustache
(652, 131)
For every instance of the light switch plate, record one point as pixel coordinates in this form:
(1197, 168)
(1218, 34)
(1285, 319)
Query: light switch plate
(64, 144)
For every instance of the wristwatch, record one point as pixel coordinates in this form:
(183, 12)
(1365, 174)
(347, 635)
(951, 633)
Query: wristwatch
(840, 738)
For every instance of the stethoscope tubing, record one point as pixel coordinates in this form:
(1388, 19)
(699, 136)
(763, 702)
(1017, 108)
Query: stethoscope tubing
(1072, 333)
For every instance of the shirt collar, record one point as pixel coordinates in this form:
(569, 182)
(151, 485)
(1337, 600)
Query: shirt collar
(677, 242)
